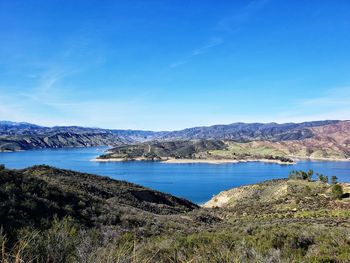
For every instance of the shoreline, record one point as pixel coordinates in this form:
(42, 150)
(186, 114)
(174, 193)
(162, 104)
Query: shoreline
(320, 159)
(189, 161)
(223, 161)
(10, 151)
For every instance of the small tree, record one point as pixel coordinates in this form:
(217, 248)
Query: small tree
(337, 191)
(294, 175)
(309, 175)
(2, 167)
(320, 177)
(334, 179)
(304, 175)
(325, 179)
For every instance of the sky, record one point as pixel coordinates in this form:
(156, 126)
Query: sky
(173, 64)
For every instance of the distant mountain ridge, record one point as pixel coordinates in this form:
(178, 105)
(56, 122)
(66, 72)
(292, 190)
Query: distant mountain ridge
(244, 132)
(23, 136)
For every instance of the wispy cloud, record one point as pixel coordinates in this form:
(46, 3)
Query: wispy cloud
(9, 111)
(332, 104)
(213, 42)
(110, 112)
(338, 97)
(228, 23)
(234, 21)
(51, 103)
(37, 101)
(179, 63)
(48, 87)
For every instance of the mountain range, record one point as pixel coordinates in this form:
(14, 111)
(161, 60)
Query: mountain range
(315, 139)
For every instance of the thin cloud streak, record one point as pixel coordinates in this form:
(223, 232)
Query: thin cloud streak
(53, 106)
(235, 21)
(48, 89)
(212, 43)
(335, 97)
(216, 41)
(333, 104)
(228, 24)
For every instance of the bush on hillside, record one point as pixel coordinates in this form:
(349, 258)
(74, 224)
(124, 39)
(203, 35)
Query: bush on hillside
(301, 175)
(337, 191)
(334, 179)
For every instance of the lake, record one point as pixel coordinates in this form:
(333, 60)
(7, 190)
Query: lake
(196, 182)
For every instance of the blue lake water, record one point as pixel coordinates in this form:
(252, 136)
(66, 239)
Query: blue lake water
(196, 182)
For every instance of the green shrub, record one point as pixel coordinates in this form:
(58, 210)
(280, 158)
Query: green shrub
(337, 191)
(301, 175)
(334, 179)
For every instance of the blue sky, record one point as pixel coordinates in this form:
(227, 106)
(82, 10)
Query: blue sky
(172, 64)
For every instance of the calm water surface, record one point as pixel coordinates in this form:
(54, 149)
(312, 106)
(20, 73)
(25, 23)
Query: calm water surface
(196, 182)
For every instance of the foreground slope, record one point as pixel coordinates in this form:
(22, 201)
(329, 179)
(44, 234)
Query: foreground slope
(33, 196)
(112, 221)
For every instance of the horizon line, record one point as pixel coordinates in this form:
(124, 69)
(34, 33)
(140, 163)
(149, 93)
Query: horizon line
(145, 130)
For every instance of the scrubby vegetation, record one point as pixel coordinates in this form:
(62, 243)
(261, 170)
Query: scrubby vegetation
(251, 243)
(301, 175)
(54, 215)
(33, 197)
(337, 191)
